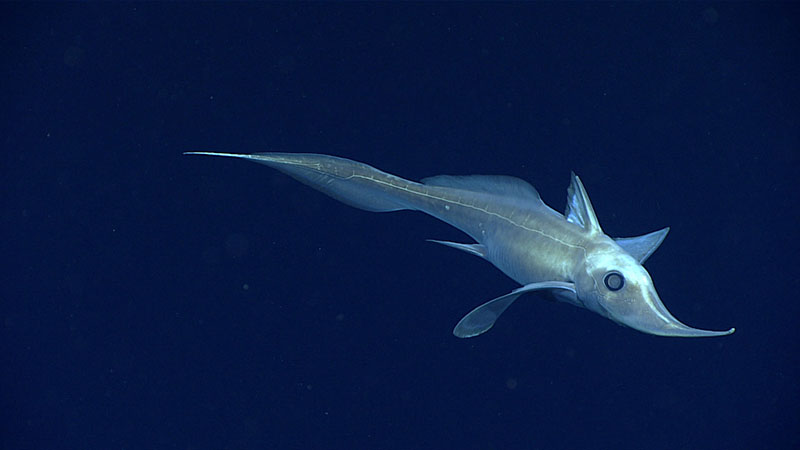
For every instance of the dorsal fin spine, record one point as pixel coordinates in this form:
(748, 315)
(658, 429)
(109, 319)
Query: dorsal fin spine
(579, 208)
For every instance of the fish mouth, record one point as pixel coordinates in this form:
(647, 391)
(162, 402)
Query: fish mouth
(649, 315)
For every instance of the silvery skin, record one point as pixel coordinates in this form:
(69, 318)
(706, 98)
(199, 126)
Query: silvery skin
(512, 228)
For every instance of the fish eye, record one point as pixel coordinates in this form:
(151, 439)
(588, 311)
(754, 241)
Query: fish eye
(614, 281)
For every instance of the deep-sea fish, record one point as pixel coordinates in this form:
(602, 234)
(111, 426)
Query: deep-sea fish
(567, 255)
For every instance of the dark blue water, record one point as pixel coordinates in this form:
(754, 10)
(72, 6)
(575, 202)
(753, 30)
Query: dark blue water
(153, 300)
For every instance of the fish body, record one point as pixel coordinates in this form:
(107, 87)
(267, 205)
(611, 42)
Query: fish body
(512, 228)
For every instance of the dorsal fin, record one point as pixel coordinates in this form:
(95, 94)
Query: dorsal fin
(493, 184)
(579, 209)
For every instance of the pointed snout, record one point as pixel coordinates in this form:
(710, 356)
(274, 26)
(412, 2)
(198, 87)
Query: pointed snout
(649, 315)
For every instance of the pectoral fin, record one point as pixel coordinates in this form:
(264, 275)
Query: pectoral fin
(482, 318)
(641, 247)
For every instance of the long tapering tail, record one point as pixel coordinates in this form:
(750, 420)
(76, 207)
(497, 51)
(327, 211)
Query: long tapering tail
(350, 182)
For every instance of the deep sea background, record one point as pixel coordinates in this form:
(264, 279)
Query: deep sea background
(153, 300)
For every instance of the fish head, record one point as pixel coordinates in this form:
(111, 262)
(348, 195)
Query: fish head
(615, 285)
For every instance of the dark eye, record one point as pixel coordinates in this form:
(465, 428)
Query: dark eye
(614, 281)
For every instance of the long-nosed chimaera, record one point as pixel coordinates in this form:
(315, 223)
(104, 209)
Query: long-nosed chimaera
(568, 255)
